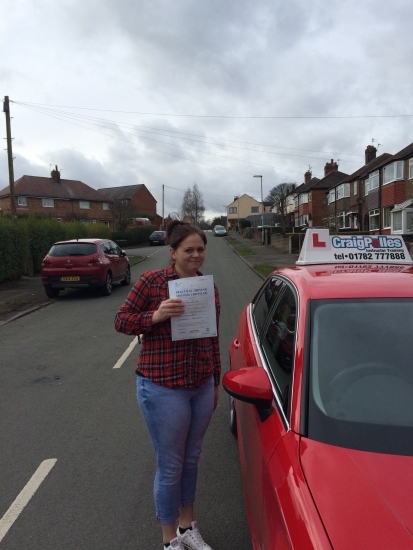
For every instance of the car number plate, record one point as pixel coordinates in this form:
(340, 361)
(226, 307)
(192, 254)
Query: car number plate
(66, 279)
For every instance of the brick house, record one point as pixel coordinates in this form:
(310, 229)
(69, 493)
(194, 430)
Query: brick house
(62, 199)
(376, 198)
(346, 201)
(310, 200)
(138, 197)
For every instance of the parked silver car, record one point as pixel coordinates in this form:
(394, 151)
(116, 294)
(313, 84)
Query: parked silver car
(219, 231)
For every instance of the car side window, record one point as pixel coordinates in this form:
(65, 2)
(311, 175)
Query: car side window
(115, 248)
(106, 248)
(264, 301)
(278, 344)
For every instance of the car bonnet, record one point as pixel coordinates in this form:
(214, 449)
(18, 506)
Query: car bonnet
(364, 499)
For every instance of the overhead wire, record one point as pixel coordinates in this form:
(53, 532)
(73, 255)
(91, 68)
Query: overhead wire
(158, 130)
(270, 117)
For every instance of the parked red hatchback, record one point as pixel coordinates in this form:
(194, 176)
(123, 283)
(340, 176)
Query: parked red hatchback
(94, 263)
(321, 386)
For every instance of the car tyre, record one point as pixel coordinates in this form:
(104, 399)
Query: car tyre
(51, 292)
(106, 289)
(232, 417)
(126, 280)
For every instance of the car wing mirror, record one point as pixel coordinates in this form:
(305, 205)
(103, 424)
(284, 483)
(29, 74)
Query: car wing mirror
(122, 253)
(250, 385)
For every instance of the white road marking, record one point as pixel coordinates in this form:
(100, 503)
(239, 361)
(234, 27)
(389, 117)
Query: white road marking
(125, 355)
(25, 495)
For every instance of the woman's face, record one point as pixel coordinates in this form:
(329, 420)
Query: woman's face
(189, 256)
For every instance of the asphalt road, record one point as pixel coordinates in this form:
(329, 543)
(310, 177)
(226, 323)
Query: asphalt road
(61, 399)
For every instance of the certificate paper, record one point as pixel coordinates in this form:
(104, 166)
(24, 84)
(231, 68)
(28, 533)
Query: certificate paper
(199, 319)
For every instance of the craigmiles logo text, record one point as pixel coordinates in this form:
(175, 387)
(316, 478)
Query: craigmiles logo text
(364, 242)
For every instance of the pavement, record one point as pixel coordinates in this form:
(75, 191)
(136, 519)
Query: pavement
(21, 297)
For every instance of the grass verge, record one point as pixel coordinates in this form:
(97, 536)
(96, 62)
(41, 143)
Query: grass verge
(264, 269)
(231, 240)
(244, 251)
(133, 260)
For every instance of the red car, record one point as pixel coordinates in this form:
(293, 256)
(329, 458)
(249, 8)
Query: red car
(321, 392)
(94, 263)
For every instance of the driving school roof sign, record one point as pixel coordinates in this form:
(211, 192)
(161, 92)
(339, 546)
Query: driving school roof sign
(320, 247)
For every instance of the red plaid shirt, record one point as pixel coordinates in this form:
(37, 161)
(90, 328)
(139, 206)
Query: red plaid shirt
(184, 363)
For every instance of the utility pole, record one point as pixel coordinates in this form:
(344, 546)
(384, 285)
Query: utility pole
(6, 109)
(163, 207)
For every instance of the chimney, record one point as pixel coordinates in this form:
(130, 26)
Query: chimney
(370, 153)
(55, 175)
(330, 167)
(307, 176)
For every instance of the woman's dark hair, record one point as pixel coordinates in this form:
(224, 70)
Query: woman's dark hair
(177, 231)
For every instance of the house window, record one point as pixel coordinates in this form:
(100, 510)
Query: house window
(232, 209)
(343, 190)
(254, 209)
(397, 221)
(355, 188)
(105, 206)
(303, 219)
(331, 196)
(22, 201)
(343, 220)
(84, 205)
(85, 222)
(105, 223)
(410, 169)
(48, 203)
(374, 220)
(59, 220)
(386, 216)
(393, 171)
(309, 197)
(303, 198)
(296, 202)
(372, 182)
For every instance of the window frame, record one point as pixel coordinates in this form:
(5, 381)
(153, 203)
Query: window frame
(374, 177)
(24, 201)
(105, 206)
(411, 168)
(393, 175)
(82, 205)
(375, 213)
(386, 215)
(46, 201)
(233, 210)
(255, 209)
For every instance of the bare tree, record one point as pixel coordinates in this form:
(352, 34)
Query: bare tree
(192, 208)
(122, 212)
(278, 195)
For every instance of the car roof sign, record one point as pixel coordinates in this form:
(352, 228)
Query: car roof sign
(319, 247)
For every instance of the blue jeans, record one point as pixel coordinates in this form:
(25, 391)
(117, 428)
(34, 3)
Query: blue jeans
(177, 420)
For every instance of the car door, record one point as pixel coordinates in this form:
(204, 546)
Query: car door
(117, 260)
(272, 322)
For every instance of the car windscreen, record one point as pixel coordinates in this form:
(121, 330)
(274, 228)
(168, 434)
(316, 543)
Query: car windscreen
(360, 382)
(72, 249)
(158, 234)
(220, 227)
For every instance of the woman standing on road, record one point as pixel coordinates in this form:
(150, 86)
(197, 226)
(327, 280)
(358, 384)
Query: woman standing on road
(177, 384)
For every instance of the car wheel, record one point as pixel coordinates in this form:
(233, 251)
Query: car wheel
(232, 417)
(51, 292)
(107, 287)
(126, 280)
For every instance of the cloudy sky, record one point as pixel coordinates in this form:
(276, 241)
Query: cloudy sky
(211, 92)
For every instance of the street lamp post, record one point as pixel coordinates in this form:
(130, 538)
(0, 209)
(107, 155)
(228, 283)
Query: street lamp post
(262, 211)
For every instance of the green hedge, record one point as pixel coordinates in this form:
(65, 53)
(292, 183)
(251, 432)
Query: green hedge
(24, 244)
(14, 249)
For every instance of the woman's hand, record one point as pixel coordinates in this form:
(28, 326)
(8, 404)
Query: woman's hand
(172, 307)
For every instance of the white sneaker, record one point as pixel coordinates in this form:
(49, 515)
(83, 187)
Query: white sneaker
(192, 540)
(175, 544)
